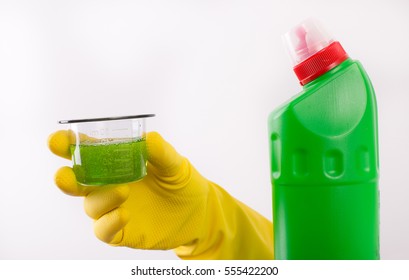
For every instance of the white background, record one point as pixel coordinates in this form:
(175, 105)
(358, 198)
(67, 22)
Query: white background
(211, 71)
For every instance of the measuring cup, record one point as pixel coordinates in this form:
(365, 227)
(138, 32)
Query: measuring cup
(108, 150)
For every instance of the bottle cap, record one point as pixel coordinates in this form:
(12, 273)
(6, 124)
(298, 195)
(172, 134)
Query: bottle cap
(312, 50)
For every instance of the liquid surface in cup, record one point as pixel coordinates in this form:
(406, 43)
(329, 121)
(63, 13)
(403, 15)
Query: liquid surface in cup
(109, 163)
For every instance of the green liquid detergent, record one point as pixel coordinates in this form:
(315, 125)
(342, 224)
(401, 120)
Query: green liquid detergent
(110, 162)
(324, 156)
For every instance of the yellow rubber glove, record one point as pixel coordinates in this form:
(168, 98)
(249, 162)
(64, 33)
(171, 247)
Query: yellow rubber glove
(173, 207)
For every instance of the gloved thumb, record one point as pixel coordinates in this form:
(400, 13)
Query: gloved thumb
(166, 161)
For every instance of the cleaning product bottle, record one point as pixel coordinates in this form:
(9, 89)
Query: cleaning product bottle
(324, 155)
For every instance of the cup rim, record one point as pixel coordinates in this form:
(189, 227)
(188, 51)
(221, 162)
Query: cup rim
(107, 119)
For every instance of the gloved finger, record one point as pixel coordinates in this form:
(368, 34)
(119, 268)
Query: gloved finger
(105, 199)
(162, 156)
(65, 179)
(109, 227)
(59, 142)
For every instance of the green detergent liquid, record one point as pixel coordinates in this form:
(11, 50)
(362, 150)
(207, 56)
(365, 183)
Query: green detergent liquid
(112, 162)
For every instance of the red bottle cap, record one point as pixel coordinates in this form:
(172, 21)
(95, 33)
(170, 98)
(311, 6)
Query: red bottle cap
(320, 63)
(313, 51)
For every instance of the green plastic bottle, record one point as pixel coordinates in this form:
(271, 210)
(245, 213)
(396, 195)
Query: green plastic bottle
(324, 155)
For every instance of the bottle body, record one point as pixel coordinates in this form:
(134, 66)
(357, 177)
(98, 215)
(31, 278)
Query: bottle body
(324, 169)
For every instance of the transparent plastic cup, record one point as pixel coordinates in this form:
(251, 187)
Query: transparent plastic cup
(108, 150)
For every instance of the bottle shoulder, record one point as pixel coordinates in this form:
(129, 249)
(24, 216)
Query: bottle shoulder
(337, 85)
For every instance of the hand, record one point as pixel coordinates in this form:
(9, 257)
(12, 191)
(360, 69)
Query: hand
(163, 211)
(173, 207)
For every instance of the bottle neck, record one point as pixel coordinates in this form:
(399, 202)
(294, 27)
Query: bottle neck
(346, 63)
